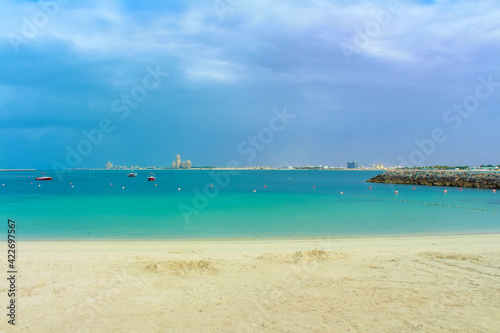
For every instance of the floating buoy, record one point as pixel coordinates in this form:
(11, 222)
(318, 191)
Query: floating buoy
(314, 186)
(413, 188)
(123, 187)
(111, 184)
(460, 189)
(211, 185)
(179, 189)
(265, 185)
(254, 191)
(445, 191)
(72, 186)
(39, 185)
(396, 192)
(71, 183)
(494, 191)
(155, 184)
(341, 192)
(4, 184)
(370, 187)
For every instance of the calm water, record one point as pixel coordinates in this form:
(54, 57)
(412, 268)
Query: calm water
(84, 205)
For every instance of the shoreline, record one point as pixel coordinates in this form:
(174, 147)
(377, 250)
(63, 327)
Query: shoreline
(260, 239)
(250, 245)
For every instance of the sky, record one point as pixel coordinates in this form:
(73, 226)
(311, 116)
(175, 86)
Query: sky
(311, 82)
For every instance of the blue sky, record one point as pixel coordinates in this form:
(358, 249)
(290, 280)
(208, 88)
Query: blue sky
(369, 81)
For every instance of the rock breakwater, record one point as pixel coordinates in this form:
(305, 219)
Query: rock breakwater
(474, 179)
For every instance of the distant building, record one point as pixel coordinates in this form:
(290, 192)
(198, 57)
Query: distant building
(179, 164)
(352, 165)
(109, 165)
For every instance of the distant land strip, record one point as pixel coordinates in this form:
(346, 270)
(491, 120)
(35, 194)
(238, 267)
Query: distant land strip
(473, 179)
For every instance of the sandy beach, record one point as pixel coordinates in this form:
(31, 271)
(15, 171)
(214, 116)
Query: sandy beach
(392, 284)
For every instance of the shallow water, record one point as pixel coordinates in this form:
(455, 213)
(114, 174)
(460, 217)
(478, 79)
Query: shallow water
(295, 203)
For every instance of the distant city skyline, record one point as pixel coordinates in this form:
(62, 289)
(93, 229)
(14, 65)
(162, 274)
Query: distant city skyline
(179, 164)
(282, 83)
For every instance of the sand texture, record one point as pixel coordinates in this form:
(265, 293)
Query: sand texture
(397, 284)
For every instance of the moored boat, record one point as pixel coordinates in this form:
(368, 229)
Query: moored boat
(43, 177)
(151, 177)
(132, 174)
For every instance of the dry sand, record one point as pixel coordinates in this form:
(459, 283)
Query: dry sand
(397, 284)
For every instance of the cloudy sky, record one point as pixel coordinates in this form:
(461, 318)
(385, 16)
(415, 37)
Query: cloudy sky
(408, 82)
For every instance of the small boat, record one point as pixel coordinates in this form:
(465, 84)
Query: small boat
(151, 177)
(43, 177)
(132, 174)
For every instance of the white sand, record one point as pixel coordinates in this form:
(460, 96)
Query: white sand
(404, 284)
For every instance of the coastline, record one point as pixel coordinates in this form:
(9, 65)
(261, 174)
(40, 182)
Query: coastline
(396, 283)
(285, 239)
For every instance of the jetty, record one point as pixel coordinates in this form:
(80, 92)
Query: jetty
(458, 178)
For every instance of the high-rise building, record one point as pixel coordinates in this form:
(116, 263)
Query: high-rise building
(186, 164)
(179, 164)
(352, 165)
(109, 165)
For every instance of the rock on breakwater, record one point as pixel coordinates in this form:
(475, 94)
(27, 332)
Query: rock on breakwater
(475, 179)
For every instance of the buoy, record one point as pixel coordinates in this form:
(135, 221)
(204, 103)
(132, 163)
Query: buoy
(111, 184)
(396, 192)
(494, 191)
(445, 191)
(314, 186)
(341, 192)
(155, 184)
(413, 188)
(179, 189)
(211, 185)
(123, 187)
(460, 189)
(71, 183)
(39, 185)
(370, 187)
(72, 186)
(265, 185)
(254, 191)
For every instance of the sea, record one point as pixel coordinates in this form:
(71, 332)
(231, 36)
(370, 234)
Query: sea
(231, 204)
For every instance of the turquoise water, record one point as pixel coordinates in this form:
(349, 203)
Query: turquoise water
(295, 203)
